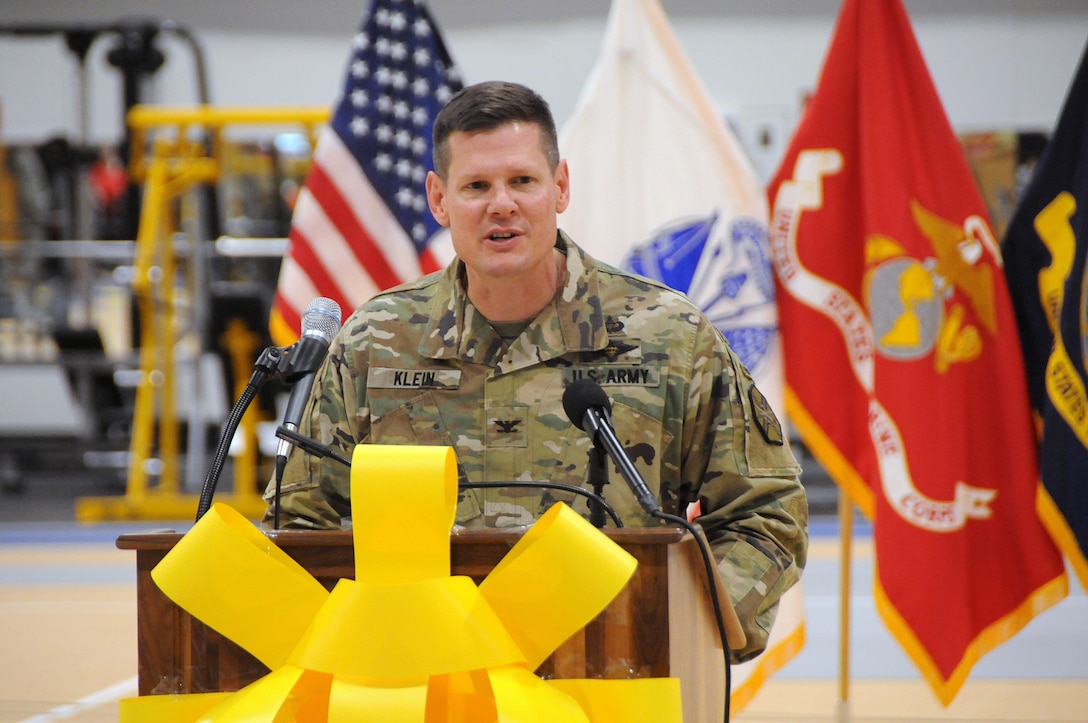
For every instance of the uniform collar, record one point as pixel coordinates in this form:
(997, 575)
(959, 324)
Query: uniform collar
(571, 322)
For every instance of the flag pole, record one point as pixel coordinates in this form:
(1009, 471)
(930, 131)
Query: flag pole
(846, 537)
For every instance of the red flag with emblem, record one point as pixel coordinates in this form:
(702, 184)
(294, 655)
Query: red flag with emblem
(902, 367)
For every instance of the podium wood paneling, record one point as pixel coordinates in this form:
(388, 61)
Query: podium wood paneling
(660, 625)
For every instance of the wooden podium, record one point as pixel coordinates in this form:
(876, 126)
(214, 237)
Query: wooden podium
(660, 625)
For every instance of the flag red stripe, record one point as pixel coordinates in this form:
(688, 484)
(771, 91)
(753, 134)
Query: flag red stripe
(303, 253)
(288, 313)
(370, 255)
(427, 261)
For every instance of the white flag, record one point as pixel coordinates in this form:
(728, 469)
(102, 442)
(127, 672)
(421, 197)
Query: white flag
(660, 186)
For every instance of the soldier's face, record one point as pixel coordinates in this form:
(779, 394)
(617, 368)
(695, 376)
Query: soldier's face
(500, 200)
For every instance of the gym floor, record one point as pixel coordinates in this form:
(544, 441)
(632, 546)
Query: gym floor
(68, 632)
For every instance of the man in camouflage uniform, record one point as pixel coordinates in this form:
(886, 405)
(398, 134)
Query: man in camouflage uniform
(477, 357)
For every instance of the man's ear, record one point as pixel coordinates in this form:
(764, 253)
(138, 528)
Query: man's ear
(562, 184)
(436, 198)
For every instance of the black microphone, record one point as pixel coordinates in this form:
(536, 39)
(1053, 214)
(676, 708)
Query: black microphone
(320, 322)
(311, 445)
(589, 409)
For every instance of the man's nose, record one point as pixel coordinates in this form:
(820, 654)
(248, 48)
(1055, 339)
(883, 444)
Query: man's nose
(502, 201)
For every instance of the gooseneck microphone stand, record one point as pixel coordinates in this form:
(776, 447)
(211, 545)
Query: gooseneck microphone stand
(267, 364)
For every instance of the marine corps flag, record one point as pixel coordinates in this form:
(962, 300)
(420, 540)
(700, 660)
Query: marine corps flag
(361, 223)
(665, 190)
(1045, 249)
(900, 342)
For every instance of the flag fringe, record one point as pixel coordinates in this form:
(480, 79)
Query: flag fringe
(1046, 596)
(280, 330)
(767, 664)
(844, 475)
(1062, 534)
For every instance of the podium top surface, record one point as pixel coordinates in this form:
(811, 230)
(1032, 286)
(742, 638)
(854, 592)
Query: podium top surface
(165, 540)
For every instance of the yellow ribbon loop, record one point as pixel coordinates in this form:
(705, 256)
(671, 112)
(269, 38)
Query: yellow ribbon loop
(520, 697)
(403, 514)
(285, 694)
(168, 708)
(352, 700)
(542, 608)
(232, 578)
(635, 700)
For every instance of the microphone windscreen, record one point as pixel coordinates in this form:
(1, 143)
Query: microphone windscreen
(581, 396)
(321, 318)
(320, 323)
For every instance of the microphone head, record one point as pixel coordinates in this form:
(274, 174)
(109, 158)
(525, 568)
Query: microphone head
(321, 318)
(320, 322)
(581, 396)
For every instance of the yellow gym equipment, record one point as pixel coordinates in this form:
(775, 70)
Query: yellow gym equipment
(174, 152)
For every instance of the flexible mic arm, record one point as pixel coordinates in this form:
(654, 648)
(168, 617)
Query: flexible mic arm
(266, 365)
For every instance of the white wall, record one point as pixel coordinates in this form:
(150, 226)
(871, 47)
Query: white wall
(996, 63)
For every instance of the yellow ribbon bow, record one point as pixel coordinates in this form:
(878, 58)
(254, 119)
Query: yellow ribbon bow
(404, 642)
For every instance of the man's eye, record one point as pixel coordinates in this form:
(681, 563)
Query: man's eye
(522, 180)
(477, 185)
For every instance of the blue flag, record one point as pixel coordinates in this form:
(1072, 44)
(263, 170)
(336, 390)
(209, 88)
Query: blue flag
(1045, 249)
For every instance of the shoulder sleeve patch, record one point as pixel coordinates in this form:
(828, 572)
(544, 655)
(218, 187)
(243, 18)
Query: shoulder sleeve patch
(767, 422)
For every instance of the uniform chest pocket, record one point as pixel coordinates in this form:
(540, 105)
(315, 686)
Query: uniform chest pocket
(644, 439)
(415, 421)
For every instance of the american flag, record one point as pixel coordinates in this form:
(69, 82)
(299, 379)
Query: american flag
(361, 222)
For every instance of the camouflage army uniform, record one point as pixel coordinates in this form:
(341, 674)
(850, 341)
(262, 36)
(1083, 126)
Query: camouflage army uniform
(420, 365)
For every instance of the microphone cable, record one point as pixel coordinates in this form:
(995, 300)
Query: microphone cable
(550, 486)
(716, 603)
(316, 448)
